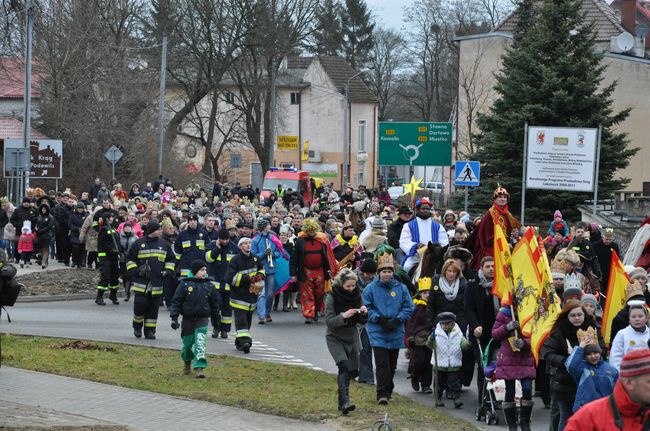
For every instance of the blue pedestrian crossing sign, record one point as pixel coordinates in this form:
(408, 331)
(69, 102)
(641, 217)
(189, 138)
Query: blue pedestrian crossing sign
(468, 173)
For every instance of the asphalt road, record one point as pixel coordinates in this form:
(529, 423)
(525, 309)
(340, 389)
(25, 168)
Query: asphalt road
(287, 340)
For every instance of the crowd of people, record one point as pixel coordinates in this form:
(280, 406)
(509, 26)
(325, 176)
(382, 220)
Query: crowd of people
(383, 278)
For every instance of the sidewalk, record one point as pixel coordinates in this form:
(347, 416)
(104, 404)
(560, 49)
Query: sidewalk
(135, 409)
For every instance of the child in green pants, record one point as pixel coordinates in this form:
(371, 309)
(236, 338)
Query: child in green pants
(197, 299)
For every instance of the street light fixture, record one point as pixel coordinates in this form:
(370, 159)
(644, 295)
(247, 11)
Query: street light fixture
(346, 127)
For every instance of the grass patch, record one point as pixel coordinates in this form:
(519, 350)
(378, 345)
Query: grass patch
(282, 390)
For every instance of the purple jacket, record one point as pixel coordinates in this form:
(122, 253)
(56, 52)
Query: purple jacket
(511, 365)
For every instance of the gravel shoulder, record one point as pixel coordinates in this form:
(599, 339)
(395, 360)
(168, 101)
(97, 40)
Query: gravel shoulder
(66, 281)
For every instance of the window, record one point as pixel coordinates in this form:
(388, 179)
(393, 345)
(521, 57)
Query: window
(229, 97)
(295, 98)
(362, 136)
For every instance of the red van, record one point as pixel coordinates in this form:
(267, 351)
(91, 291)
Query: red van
(289, 178)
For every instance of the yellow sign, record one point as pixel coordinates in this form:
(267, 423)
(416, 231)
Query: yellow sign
(287, 143)
(305, 151)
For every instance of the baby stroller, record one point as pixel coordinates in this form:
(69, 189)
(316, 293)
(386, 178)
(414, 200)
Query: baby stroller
(488, 409)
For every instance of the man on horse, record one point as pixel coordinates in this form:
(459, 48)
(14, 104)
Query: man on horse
(419, 232)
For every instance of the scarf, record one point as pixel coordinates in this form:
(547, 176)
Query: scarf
(487, 286)
(275, 240)
(450, 290)
(345, 300)
(417, 301)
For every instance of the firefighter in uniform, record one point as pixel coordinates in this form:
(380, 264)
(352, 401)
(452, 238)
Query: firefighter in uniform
(246, 276)
(149, 261)
(189, 245)
(219, 254)
(108, 254)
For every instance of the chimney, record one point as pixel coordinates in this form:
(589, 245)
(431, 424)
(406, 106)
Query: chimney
(628, 15)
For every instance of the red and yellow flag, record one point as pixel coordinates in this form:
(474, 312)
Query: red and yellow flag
(618, 281)
(537, 303)
(502, 285)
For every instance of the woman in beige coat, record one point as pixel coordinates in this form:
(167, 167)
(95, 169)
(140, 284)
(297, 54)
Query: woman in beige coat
(89, 235)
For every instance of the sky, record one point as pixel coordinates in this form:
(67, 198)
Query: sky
(388, 12)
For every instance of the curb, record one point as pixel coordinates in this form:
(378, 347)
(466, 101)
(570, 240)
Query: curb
(55, 298)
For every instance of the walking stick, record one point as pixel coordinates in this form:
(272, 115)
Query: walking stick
(436, 382)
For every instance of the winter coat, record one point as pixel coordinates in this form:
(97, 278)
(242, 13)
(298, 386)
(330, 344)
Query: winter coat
(394, 232)
(88, 235)
(240, 270)
(126, 242)
(342, 336)
(481, 308)
(512, 365)
(555, 352)
(21, 214)
(44, 226)
(392, 300)
(196, 299)
(9, 232)
(75, 223)
(438, 303)
(259, 245)
(599, 416)
(417, 327)
(26, 243)
(448, 348)
(157, 255)
(626, 340)
(188, 247)
(594, 381)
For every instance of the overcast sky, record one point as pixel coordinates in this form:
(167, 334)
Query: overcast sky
(388, 12)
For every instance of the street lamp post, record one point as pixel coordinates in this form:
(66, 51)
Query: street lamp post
(346, 128)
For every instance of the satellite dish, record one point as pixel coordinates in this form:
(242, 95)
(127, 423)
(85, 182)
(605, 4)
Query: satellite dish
(625, 41)
(641, 30)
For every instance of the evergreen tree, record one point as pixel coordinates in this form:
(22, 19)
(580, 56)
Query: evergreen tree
(328, 35)
(550, 77)
(357, 32)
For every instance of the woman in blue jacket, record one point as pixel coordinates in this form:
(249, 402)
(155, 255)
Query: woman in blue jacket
(389, 305)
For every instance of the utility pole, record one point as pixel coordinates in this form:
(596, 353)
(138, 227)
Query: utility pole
(29, 20)
(161, 104)
(273, 116)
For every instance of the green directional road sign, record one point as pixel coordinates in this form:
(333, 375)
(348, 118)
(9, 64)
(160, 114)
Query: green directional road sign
(414, 144)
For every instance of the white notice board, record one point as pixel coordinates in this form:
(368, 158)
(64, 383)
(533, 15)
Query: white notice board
(561, 158)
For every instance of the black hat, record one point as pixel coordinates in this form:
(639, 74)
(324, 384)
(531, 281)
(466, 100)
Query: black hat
(248, 225)
(81, 205)
(224, 234)
(151, 227)
(404, 210)
(194, 216)
(27, 199)
(196, 266)
(446, 317)
(368, 265)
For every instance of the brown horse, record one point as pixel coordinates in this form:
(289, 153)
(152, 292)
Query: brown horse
(430, 262)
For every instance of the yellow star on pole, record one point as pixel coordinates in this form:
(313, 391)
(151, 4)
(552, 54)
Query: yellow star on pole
(412, 187)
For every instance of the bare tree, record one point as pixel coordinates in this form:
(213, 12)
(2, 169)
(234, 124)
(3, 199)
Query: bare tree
(386, 60)
(276, 30)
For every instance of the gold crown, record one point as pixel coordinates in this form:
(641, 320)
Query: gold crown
(608, 232)
(632, 290)
(589, 334)
(385, 261)
(500, 191)
(424, 283)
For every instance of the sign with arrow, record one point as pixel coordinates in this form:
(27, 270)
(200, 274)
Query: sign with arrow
(468, 173)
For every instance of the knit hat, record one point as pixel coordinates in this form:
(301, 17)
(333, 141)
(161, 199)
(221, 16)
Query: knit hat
(151, 227)
(592, 348)
(81, 205)
(193, 216)
(27, 199)
(446, 317)
(557, 213)
(243, 240)
(196, 265)
(588, 298)
(635, 363)
(368, 265)
(378, 223)
(636, 273)
(262, 223)
(425, 200)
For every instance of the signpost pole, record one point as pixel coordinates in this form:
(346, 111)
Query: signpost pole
(600, 133)
(29, 20)
(523, 178)
(466, 197)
